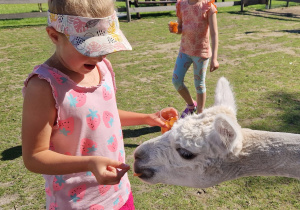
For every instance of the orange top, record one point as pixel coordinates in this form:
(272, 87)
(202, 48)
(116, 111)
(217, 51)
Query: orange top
(195, 27)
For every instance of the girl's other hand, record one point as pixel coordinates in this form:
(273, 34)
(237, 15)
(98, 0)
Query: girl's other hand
(214, 65)
(107, 171)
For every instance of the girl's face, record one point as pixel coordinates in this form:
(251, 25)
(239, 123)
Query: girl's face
(73, 60)
(68, 58)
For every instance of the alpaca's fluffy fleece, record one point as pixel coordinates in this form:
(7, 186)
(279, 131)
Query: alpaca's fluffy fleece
(193, 132)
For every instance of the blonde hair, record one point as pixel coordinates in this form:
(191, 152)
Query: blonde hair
(84, 8)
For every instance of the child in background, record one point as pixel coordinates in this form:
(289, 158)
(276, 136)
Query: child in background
(71, 128)
(196, 20)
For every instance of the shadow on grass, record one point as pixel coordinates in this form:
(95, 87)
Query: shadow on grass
(21, 25)
(297, 31)
(269, 15)
(131, 145)
(291, 31)
(11, 153)
(289, 105)
(129, 133)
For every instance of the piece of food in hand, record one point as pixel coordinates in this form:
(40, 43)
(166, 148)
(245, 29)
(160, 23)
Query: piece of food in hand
(137, 174)
(174, 26)
(165, 129)
(173, 120)
(169, 116)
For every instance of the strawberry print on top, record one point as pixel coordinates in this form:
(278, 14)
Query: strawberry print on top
(127, 188)
(118, 203)
(48, 191)
(66, 126)
(93, 119)
(118, 186)
(121, 133)
(87, 146)
(53, 206)
(112, 143)
(60, 79)
(107, 92)
(103, 189)
(96, 207)
(58, 182)
(77, 193)
(108, 119)
(76, 99)
(121, 156)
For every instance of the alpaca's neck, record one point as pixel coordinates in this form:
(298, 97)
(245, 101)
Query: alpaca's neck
(268, 154)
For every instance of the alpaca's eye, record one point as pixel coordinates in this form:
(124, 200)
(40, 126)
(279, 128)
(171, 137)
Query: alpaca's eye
(185, 154)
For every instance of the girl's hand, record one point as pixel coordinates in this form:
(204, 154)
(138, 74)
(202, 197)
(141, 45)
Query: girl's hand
(214, 64)
(107, 171)
(170, 28)
(154, 119)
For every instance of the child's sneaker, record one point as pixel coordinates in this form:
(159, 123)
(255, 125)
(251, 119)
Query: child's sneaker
(190, 109)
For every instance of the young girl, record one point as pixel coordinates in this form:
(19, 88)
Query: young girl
(71, 129)
(196, 20)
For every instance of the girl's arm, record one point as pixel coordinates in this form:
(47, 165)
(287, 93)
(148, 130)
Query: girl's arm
(179, 21)
(39, 116)
(213, 27)
(134, 118)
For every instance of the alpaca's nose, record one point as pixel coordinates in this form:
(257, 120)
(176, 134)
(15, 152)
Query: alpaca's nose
(141, 158)
(143, 172)
(140, 154)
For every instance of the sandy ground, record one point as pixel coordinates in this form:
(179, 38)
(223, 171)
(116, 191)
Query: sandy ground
(282, 11)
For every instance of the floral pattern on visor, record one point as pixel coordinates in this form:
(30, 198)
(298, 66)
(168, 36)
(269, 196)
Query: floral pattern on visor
(91, 37)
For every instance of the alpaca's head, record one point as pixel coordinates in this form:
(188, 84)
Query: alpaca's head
(189, 153)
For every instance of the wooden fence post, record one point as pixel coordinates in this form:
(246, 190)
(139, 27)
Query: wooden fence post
(242, 5)
(127, 10)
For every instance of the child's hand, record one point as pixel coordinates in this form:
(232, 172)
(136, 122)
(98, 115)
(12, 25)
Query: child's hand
(173, 27)
(107, 171)
(154, 119)
(214, 64)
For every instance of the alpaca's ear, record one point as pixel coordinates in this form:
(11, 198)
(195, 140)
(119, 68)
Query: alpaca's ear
(225, 129)
(224, 95)
(229, 135)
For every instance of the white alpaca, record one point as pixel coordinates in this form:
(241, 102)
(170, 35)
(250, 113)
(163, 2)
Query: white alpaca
(206, 149)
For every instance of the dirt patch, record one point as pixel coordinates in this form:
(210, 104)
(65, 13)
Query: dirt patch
(259, 48)
(6, 199)
(281, 11)
(292, 10)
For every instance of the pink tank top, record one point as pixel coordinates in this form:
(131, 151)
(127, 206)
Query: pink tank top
(87, 124)
(195, 27)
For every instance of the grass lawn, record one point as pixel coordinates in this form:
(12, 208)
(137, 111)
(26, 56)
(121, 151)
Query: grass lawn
(258, 53)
